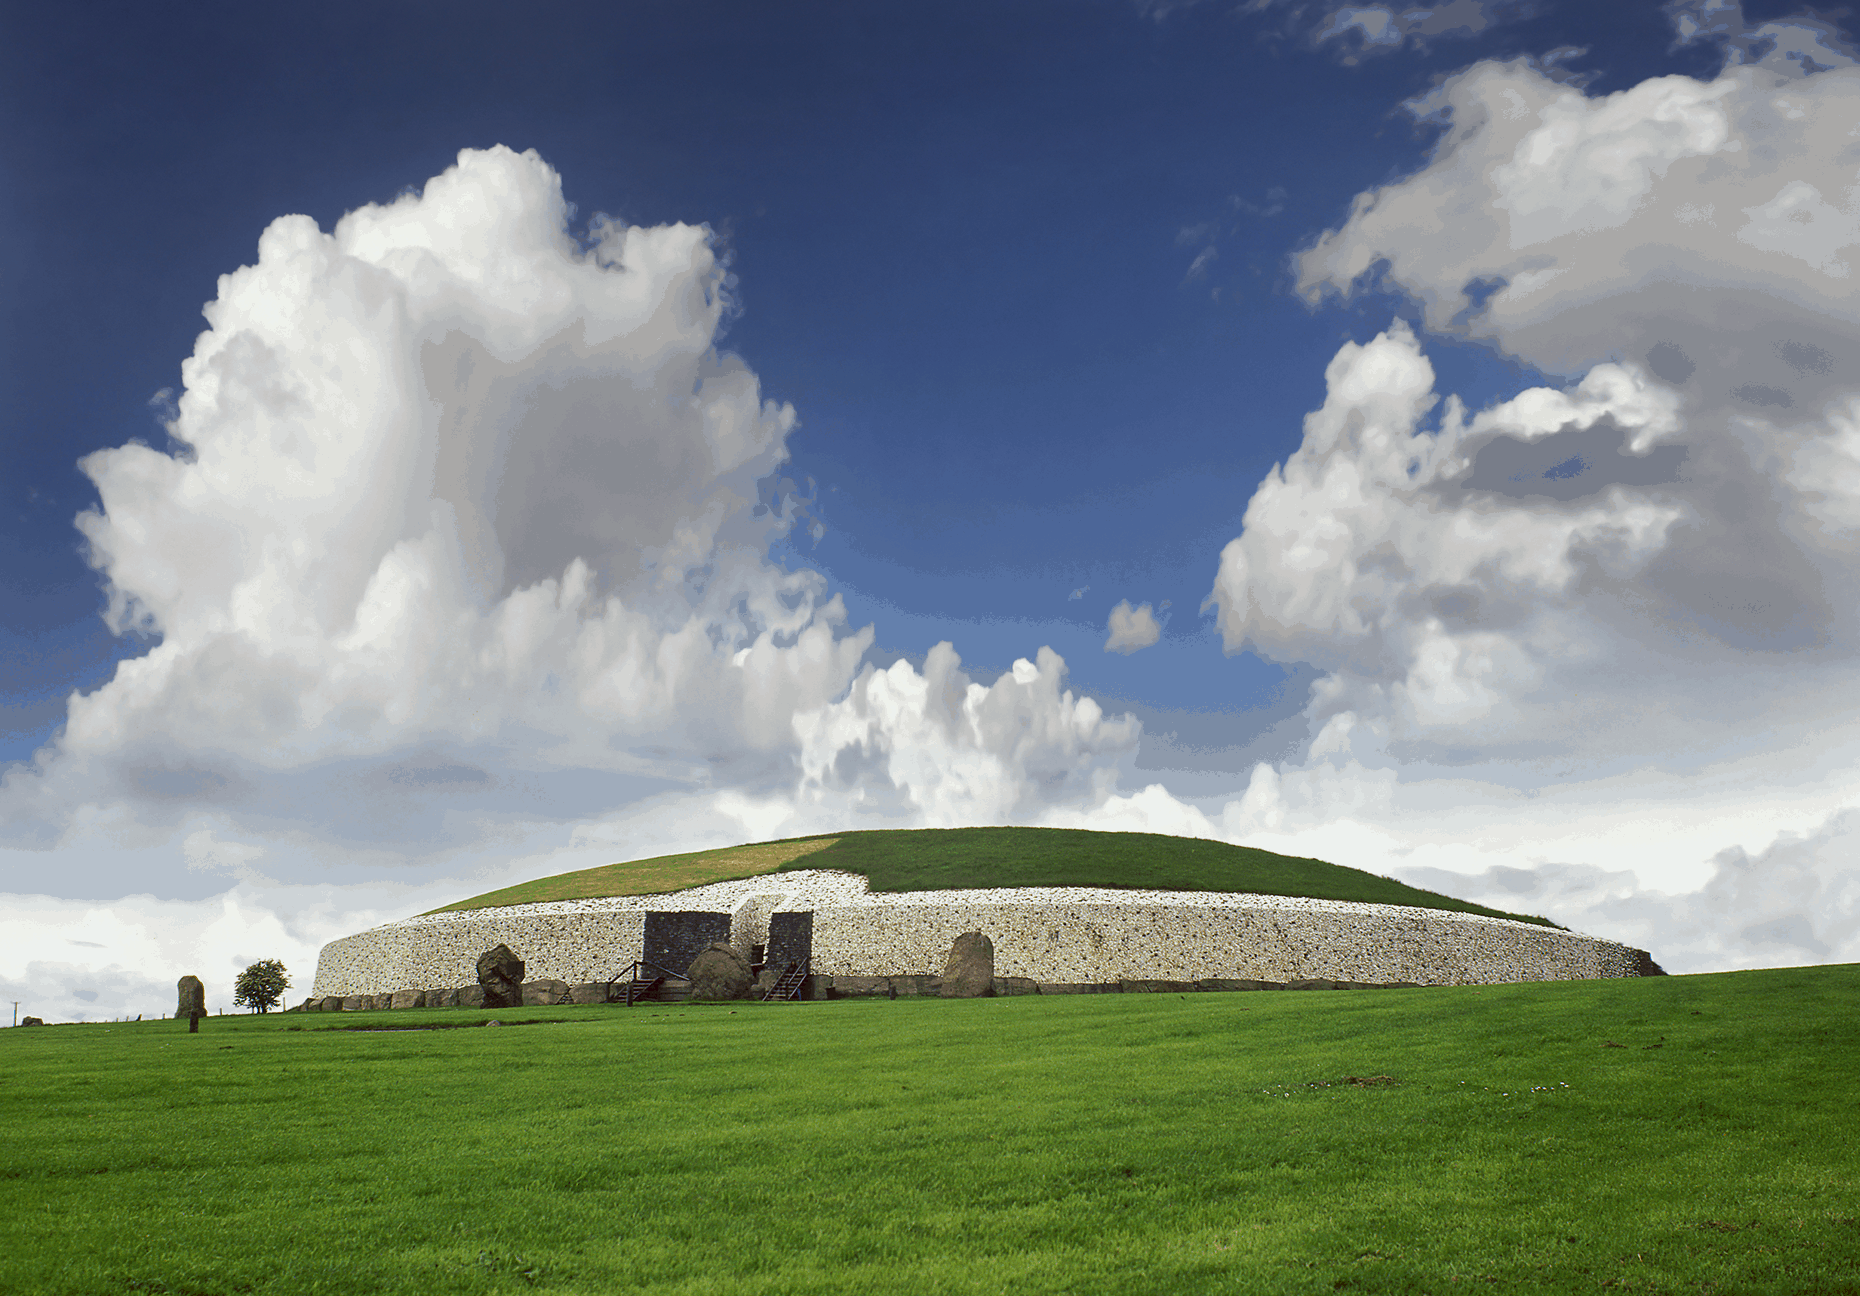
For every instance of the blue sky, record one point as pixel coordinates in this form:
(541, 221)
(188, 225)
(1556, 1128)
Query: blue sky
(1030, 301)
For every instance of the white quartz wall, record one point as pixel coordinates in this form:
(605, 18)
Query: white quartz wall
(430, 954)
(1065, 934)
(1188, 942)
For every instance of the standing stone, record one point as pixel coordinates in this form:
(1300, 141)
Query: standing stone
(970, 970)
(719, 973)
(193, 997)
(501, 974)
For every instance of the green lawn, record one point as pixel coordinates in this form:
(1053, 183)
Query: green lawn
(1101, 1143)
(939, 859)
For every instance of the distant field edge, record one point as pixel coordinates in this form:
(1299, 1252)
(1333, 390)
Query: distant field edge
(897, 860)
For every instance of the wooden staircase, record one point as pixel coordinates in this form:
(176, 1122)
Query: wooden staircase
(650, 981)
(788, 986)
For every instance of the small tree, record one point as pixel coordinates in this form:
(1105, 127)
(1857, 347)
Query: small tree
(261, 985)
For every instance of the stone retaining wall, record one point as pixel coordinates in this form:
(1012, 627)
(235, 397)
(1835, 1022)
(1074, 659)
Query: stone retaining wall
(1057, 935)
(1107, 942)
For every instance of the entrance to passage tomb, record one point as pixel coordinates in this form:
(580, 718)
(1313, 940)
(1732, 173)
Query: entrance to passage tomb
(673, 940)
(791, 939)
(749, 925)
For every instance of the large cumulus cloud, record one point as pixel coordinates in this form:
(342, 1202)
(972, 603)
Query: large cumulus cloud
(448, 479)
(1607, 624)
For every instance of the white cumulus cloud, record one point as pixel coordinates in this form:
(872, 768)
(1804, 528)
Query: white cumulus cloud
(1584, 651)
(1132, 628)
(451, 481)
(952, 751)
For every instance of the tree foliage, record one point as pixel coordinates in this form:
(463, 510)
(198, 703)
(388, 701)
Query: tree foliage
(261, 985)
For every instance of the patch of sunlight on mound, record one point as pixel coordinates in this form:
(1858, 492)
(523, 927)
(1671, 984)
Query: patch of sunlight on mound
(660, 876)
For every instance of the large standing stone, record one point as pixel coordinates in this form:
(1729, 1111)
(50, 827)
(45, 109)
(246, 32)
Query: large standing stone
(501, 974)
(970, 971)
(193, 998)
(719, 973)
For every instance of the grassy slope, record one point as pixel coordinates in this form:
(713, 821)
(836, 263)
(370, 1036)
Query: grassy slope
(658, 876)
(1103, 1144)
(937, 859)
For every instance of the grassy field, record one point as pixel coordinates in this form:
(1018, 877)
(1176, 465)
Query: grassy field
(938, 859)
(1089, 1144)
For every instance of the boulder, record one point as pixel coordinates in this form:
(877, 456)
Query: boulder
(408, 999)
(39, 1021)
(1238, 983)
(544, 994)
(765, 982)
(719, 973)
(592, 992)
(192, 997)
(470, 997)
(1145, 985)
(330, 1003)
(354, 1003)
(1016, 986)
(500, 972)
(442, 998)
(969, 972)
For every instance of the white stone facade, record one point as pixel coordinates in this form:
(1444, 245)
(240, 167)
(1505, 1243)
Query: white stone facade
(1048, 934)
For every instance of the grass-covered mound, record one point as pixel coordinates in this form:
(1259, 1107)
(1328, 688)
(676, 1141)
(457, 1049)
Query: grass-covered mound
(1123, 1145)
(946, 859)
